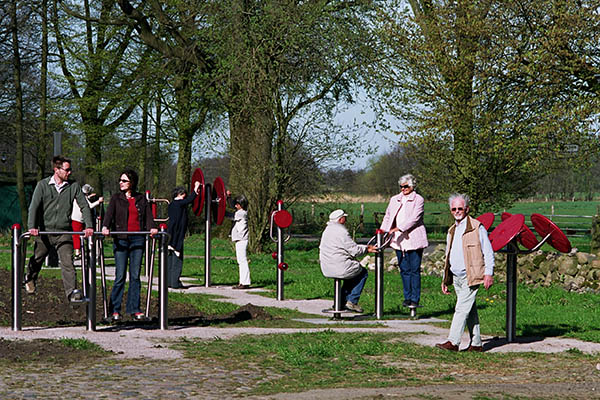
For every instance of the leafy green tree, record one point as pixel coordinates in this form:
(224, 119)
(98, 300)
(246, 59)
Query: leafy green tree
(265, 62)
(103, 68)
(454, 72)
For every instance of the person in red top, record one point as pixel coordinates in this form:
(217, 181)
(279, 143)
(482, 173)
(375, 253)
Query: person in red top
(128, 211)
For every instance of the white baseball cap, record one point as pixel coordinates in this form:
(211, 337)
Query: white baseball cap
(337, 214)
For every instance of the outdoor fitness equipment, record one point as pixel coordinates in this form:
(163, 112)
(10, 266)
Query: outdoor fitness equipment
(382, 240)
(282, 219)
(511, 231)
(88, 264)
(487, 220)
(214, 200)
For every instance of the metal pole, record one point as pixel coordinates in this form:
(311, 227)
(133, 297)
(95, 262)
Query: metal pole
(146, 258)
(17, 277)
(337, 298)
(151, 278)
(207, 228)
(103, 277)
(511, 291)
(163, 284)
(379, 275)
(91, 306)
(84, 267)
(279, 256)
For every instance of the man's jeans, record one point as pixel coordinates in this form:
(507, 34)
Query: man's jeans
(130, 249)
(465, 312)
(352, 287)
(409, 263)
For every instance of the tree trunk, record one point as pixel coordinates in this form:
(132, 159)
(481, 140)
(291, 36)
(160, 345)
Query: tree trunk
(143, 162)
(156, 151)
(250, 169)
(19, 168)
(42, 142)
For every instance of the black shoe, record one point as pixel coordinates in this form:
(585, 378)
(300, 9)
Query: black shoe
(406, 303)
(414, 304)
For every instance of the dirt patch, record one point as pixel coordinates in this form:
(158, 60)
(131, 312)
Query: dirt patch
(49, 307)
(42, 350)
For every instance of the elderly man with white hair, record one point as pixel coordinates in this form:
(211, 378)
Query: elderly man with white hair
(404, 219)
(337, 255)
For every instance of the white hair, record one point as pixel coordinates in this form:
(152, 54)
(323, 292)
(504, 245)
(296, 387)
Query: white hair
(455, 196)
(407, 179)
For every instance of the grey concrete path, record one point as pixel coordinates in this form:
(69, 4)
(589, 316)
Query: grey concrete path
(128, 341)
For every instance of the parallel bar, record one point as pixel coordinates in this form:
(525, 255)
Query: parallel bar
(17, 277)
(150, 274)
(379, 276)
(91, 265)
(280, 274)
(163, 284)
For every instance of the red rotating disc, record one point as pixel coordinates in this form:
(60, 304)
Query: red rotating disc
(282, 218)
(219, 198)
(543, 226)
(198, 204)
(487, 220)
(526, 237)
(506, 231)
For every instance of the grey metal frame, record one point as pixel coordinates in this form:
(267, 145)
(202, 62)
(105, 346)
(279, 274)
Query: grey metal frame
(89, 262)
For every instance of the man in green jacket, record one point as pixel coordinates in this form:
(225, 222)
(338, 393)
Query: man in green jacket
(50, 211)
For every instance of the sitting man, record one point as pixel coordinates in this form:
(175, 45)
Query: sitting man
(337, 253)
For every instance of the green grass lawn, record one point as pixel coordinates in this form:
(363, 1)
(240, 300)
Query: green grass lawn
(540, 311)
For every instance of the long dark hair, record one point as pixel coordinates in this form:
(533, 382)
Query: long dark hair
(133, 178)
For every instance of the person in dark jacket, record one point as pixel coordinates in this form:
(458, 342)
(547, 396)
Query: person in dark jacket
(178, 221)
(128, 211)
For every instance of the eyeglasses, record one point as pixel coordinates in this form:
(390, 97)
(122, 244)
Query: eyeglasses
(123, 180)
(457, 209)
(67, 169)
(404, 186)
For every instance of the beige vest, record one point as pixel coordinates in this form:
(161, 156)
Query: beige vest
(474, 263)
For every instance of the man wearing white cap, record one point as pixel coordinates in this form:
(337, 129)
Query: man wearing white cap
(337, 254)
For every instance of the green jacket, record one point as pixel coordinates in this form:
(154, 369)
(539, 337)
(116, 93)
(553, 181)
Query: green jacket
(51, 211)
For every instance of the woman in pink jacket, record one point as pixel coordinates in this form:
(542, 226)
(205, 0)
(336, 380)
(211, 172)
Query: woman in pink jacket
(404, 219)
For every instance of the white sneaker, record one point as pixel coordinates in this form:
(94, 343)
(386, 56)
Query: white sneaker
(30, 287)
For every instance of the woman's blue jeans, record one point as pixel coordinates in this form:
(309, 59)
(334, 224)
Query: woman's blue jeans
(129, 249)
(409, 263)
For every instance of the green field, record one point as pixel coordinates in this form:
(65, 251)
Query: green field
(573, 217)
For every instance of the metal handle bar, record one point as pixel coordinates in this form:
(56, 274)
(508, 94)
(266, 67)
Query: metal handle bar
(536, 248)
(387, 238)
(26, 235)
(289, 235)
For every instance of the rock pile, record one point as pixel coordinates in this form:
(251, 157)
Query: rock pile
(576, 271)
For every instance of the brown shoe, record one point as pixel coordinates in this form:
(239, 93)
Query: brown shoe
(478, 349)
(447, 346)
(240, 286)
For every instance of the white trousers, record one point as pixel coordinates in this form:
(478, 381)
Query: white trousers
(240, 253)
(465, 312)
